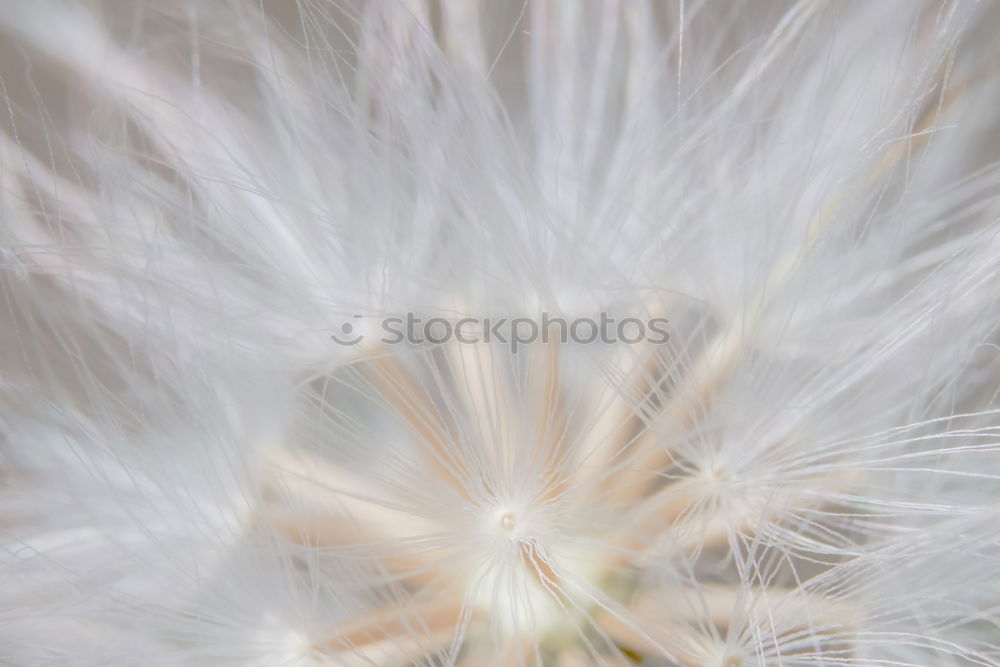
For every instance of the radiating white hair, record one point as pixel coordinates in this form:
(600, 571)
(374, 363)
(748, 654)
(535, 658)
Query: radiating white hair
(195, 194)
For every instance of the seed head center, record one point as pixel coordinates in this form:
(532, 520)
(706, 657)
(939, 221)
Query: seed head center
(508, 522)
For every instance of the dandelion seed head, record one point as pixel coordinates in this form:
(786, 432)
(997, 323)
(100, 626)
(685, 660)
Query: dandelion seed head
(208, 212)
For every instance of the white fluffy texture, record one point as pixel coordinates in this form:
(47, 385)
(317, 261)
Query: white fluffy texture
(194, 195)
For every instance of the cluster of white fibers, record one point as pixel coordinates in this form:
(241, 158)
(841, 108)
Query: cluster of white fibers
(195, 195)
